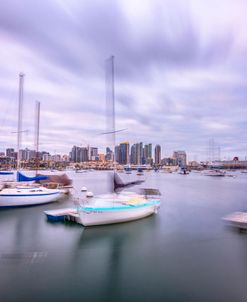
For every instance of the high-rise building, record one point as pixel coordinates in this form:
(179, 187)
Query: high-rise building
(109, 154)
(26, 154)
(79, 154)
(181, 158)
(136, 153)
(83, 154)
(148, 154)
(157, 155)
(141, 150)
(117, 154)
(133, 154)
(74, 154)
(124, 153)
(46, 156)
(93, 153)
(10, 152)
(140, 155)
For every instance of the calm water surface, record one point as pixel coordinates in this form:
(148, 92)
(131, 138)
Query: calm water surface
(184, 253)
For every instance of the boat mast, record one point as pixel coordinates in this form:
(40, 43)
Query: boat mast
(113, 100)
(110, 101)
(20, 108)
(37, 122)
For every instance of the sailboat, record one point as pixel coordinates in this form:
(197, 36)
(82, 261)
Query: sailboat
(17, 194)
(118, 206)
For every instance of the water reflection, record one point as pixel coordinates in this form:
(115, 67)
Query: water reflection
(106, 250)
(183, 252)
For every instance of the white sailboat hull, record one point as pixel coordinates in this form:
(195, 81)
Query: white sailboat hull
(90, 217)
(27, 197)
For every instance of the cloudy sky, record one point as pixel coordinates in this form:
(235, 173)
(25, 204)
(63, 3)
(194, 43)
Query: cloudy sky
(180, 72)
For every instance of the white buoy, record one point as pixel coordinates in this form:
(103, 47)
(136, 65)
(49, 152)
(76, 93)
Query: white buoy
(83, 189)
(89, 194)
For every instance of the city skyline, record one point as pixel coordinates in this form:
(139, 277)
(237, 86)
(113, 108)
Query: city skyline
(125, 153)
(179, 82)
(212, 151)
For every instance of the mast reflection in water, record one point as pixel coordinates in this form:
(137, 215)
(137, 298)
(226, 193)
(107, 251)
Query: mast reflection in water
(185, 253)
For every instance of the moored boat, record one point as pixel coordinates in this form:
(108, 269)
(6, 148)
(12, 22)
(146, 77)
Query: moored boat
(215, 172)
(139, 171)
(27, 196)
(116, 208)
(17, 194)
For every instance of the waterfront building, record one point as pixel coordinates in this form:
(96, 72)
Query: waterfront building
(148, 154)
(141, 155)
(93, 153)
(74, 154)
(22, 154)
(157, 155)
(169, 161)
(79, 154)
(56, 158)
(10, 152)
(117, 154)
(109, 154)
(135, 154)
(181, 158)
(229, 164)
(46, 157)
(195, 165)
(6, 162)
(83, 154)
(124, 153)
(65, 158)
(27, 154)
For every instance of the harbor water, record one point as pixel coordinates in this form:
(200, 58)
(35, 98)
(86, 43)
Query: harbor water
(184, 253)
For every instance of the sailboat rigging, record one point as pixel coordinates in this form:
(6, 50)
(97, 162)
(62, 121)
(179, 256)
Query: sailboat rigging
(17, 195)
(117, 207)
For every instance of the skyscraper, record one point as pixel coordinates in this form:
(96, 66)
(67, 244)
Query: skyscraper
(10, 152)
(148, 154)
(136, 154)
(93, 153)
(133, 154)
(157, 155)
(108, 155)
(124, 153)
(79, 154)
(140, 155)
(117, 154)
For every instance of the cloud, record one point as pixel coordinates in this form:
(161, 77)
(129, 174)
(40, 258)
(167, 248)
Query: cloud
(180, 71)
